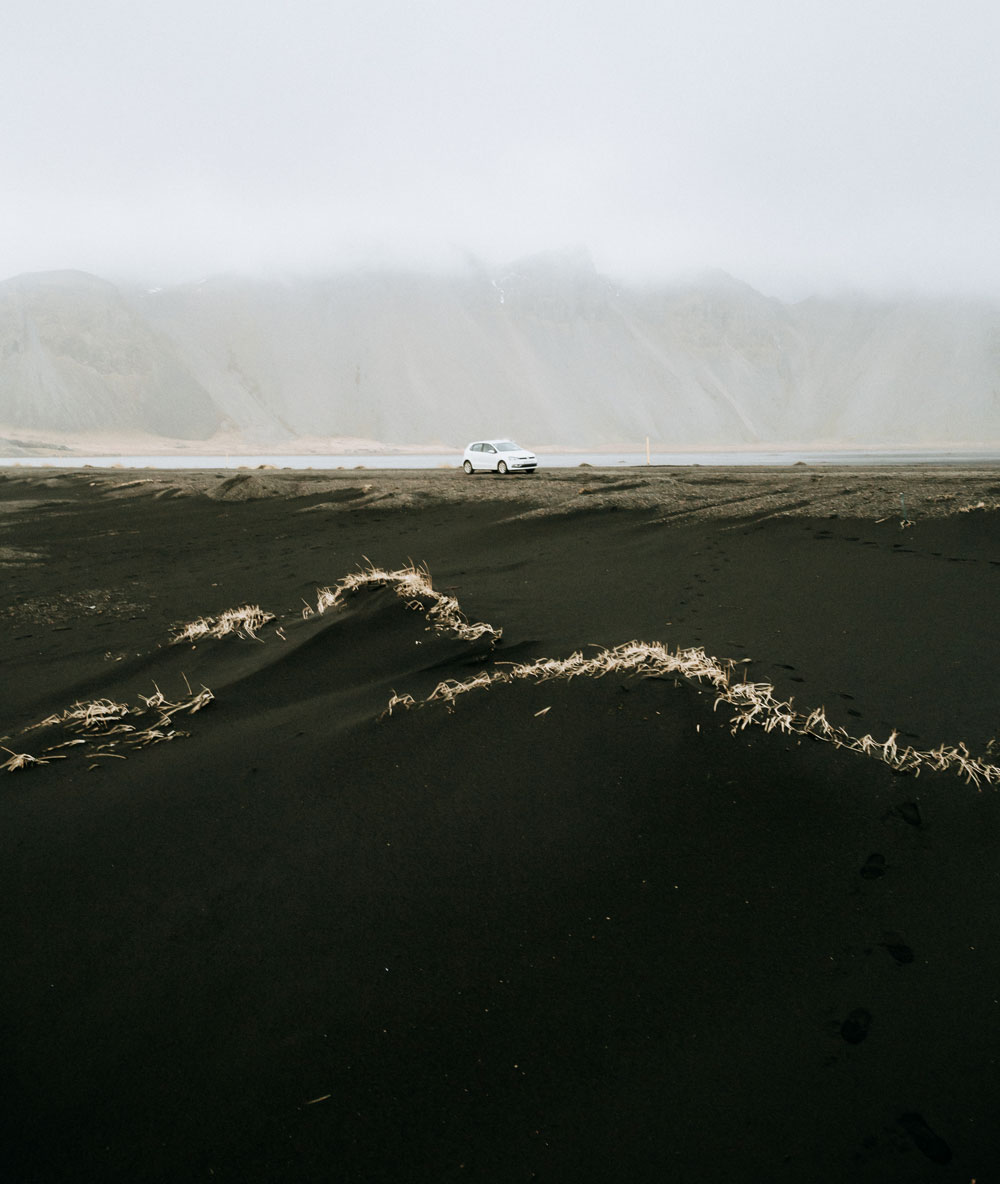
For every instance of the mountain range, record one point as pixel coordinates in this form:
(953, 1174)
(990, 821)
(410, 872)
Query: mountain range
(547, 350)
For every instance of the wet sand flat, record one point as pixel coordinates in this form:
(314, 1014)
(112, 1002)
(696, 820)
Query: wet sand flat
(584, 928)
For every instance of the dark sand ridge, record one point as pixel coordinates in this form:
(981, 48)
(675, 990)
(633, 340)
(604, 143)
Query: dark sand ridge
(610, 941)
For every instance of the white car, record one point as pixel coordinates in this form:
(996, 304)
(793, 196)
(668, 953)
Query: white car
(498, 456)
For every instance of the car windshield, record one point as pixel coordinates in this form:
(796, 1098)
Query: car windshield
(507, 446)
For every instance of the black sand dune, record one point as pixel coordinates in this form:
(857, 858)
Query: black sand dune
(563, 930)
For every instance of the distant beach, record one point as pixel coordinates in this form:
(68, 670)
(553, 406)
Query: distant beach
(616, 823)
(548, 459)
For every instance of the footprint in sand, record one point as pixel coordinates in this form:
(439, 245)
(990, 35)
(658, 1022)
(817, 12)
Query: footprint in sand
(909, 812)
(855, 1028)
(786, 666)
(874, 866)
(897, 948)
(925, 1140)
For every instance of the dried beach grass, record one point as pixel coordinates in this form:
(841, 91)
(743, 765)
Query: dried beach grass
(753, 703)
(244, 622)
(981, 505)
(413, 585)
(24, 760)
(649, 660)
(404, 701)
(100, 722)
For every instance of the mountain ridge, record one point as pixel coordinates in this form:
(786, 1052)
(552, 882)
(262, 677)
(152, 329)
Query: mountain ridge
(546, 349)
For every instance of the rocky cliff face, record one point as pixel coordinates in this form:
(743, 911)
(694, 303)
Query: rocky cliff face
(547, 350)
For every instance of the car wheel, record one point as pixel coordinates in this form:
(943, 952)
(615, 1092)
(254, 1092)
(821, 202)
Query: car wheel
(502, 468)
(467, 466)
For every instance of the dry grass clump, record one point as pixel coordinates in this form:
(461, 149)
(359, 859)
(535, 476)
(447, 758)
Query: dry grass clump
(95, 721)
(648, 660)
(754, 703)
(413, 585)
(244, 622)
(195, 701)
(404, 701)
(450, 689)
(98, 716)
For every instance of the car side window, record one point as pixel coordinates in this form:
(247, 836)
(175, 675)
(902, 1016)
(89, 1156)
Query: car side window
(489, 448)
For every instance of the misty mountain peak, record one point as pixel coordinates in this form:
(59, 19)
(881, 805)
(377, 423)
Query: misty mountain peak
(559, 284)
(547, 346)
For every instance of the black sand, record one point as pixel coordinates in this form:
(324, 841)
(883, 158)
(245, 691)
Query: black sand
(610, 940)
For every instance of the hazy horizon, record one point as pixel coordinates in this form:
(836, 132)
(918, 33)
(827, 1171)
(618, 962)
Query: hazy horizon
(799, 148)
(464, 262)
(551, 354)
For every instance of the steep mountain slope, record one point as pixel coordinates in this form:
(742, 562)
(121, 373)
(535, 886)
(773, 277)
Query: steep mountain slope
(547, 350)
(76, 355)
(922, 371)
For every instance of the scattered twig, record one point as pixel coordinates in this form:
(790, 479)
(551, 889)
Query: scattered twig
(24, 760)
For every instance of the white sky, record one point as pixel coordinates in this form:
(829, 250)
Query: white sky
(798, 144)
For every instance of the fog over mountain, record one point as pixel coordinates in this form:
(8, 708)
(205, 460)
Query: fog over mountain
(547, 350)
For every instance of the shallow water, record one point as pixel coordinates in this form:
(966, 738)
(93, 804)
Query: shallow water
(435, 460)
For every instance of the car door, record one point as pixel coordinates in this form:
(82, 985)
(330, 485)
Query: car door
(491, 457)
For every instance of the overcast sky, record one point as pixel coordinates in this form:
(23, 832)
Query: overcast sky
(797, 144)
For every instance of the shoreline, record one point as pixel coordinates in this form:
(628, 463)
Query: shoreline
(561, 458)
(34, 448)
